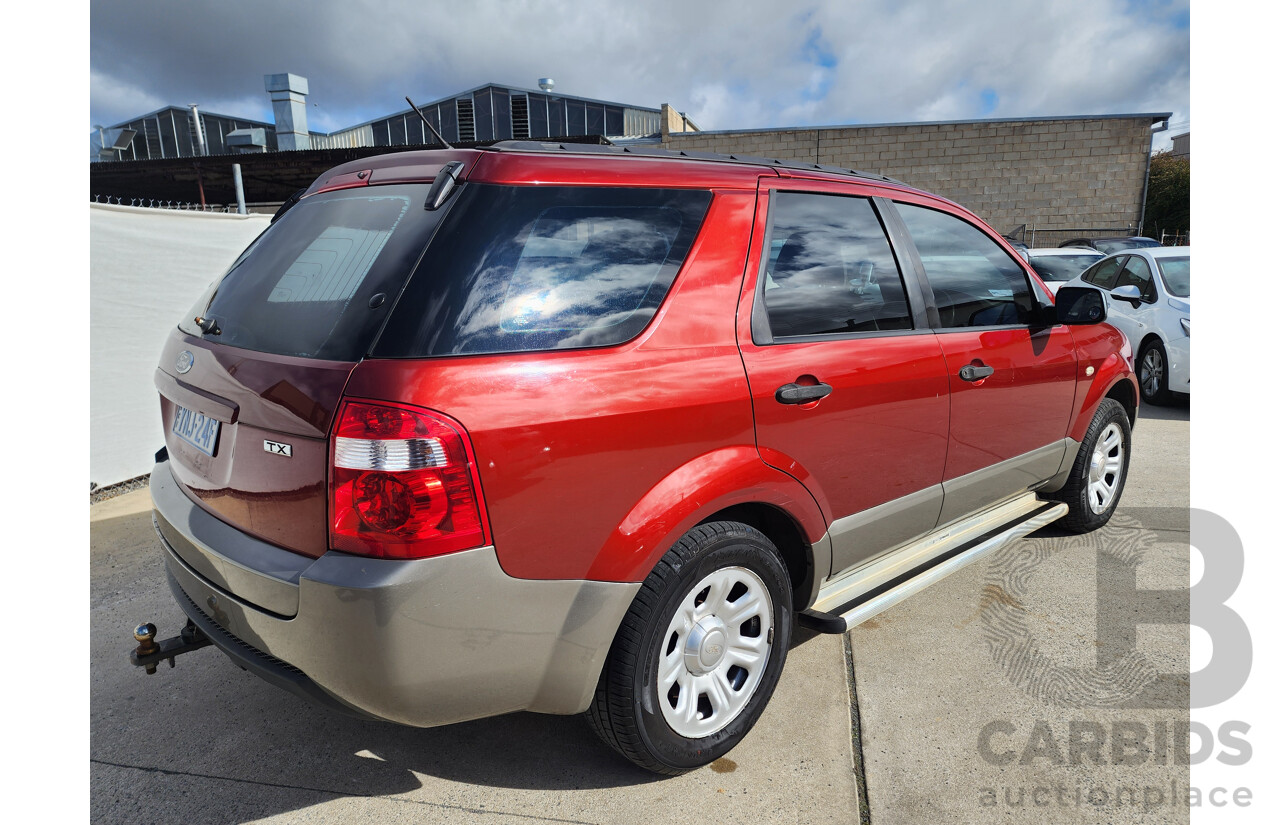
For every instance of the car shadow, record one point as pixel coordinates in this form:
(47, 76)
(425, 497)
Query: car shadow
(1178, 409)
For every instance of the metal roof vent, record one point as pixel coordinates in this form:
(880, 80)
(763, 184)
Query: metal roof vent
(546, 84)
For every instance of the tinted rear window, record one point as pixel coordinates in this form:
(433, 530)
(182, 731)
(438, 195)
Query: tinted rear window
(515, 269)
(304, 286)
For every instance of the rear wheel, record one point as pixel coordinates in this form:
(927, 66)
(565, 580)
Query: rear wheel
(699, 653)
(1097, 477)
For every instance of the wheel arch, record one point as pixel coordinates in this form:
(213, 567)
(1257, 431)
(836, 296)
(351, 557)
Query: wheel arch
(728, 484)
(798, 554)
(1124, 392)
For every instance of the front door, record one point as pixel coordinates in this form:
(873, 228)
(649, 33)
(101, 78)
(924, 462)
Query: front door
(1011, 377)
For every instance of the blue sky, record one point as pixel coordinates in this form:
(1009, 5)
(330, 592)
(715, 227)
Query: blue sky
(727, 65)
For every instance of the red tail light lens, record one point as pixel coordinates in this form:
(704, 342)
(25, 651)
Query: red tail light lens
(403, 484)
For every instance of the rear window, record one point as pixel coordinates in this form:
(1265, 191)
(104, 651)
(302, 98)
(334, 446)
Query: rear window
(516, 269)
(308, 285)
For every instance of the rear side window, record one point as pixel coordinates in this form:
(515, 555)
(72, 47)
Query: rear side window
(307, 285)
(830, 268)
(521, 268)
(975, 283)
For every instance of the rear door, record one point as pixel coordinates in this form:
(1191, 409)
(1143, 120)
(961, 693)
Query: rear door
(251, 378)
(1012, 377)
(848, 383)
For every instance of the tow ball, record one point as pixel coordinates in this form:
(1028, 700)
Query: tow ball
(149, 653)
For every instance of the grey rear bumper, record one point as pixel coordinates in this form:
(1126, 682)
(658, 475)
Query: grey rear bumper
(425, 642)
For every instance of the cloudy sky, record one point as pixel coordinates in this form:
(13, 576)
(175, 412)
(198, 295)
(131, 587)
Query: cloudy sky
(726, 64)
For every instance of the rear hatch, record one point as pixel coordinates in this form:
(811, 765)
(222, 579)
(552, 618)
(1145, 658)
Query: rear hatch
(251, 378)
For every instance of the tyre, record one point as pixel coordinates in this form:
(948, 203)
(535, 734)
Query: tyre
(1097, 477)
(1153, 373)
(699, 653)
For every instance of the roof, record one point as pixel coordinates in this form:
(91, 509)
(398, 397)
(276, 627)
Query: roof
(676, 154)
(456, 95)
(552, 163)
(186, 110)
(1065, 250)
(1153, 116)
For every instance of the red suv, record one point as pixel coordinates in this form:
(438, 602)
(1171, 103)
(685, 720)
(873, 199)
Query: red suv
(570, 429)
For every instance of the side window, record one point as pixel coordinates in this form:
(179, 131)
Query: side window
(975, 283)
(1137, 273)
(1103, 275)
(830, 269)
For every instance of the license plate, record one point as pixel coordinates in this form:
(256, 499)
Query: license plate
(196, 429)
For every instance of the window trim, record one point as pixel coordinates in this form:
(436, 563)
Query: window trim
(762, 331)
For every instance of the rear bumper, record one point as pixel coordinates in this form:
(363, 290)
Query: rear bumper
(425, 642)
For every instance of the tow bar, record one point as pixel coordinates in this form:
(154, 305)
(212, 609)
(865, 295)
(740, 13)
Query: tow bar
(149, 653)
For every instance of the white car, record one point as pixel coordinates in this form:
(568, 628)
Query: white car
(1057, 265)
(1149, 300)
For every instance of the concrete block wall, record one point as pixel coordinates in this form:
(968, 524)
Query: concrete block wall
(1049, 174)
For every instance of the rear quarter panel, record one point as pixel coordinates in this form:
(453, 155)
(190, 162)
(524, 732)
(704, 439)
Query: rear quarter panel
(576, 448)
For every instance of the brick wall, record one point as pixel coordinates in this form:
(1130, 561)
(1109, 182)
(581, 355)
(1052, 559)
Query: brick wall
(1048, 174)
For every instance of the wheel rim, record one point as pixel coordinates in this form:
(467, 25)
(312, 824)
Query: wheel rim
(1105, 468)
(715, 652)
(1152, 372)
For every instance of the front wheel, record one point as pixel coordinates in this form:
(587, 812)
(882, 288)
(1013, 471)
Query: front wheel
(1097, 477)
(1153, 373)
(699, 653)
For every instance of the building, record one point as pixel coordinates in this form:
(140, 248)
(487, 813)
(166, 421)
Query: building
(171, 133)
(1047, 178)
(1181, 145)
(1041, 180)
(486, 113)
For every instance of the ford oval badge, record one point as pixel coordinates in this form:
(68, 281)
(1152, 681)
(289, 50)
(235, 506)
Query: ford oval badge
(185, 360)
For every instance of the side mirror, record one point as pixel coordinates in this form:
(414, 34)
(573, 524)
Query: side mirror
(1128, 293)
(1080, 305)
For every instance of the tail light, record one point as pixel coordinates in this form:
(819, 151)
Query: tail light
(403, 484)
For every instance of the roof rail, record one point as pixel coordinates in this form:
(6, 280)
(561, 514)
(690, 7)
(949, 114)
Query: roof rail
(644, 151)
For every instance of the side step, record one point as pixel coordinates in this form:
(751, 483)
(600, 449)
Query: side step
(854, 597)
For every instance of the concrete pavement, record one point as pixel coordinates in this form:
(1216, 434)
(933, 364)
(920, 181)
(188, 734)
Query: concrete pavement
(982, 698)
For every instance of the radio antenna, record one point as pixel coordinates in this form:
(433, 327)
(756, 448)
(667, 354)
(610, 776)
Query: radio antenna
(439, 136)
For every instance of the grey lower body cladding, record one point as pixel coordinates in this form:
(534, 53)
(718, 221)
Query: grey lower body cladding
(425, 642)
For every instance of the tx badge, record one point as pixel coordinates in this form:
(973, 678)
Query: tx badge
(185, 360)
(276, 448)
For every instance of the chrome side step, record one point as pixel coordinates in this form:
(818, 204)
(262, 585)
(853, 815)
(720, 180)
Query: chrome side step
(852, 598)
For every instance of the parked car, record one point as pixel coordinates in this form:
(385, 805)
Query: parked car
(1150, 302)
(1018, 246)
(567, 429)
(1109, 245)
(1057, 265)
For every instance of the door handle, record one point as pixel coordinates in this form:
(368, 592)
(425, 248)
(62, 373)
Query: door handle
(801, 394)
(971, 373)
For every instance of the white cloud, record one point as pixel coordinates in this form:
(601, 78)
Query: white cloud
(750, 63)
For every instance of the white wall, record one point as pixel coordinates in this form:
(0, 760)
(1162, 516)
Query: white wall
(147, 268)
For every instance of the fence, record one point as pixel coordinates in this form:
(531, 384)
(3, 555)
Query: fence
(146, 269)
